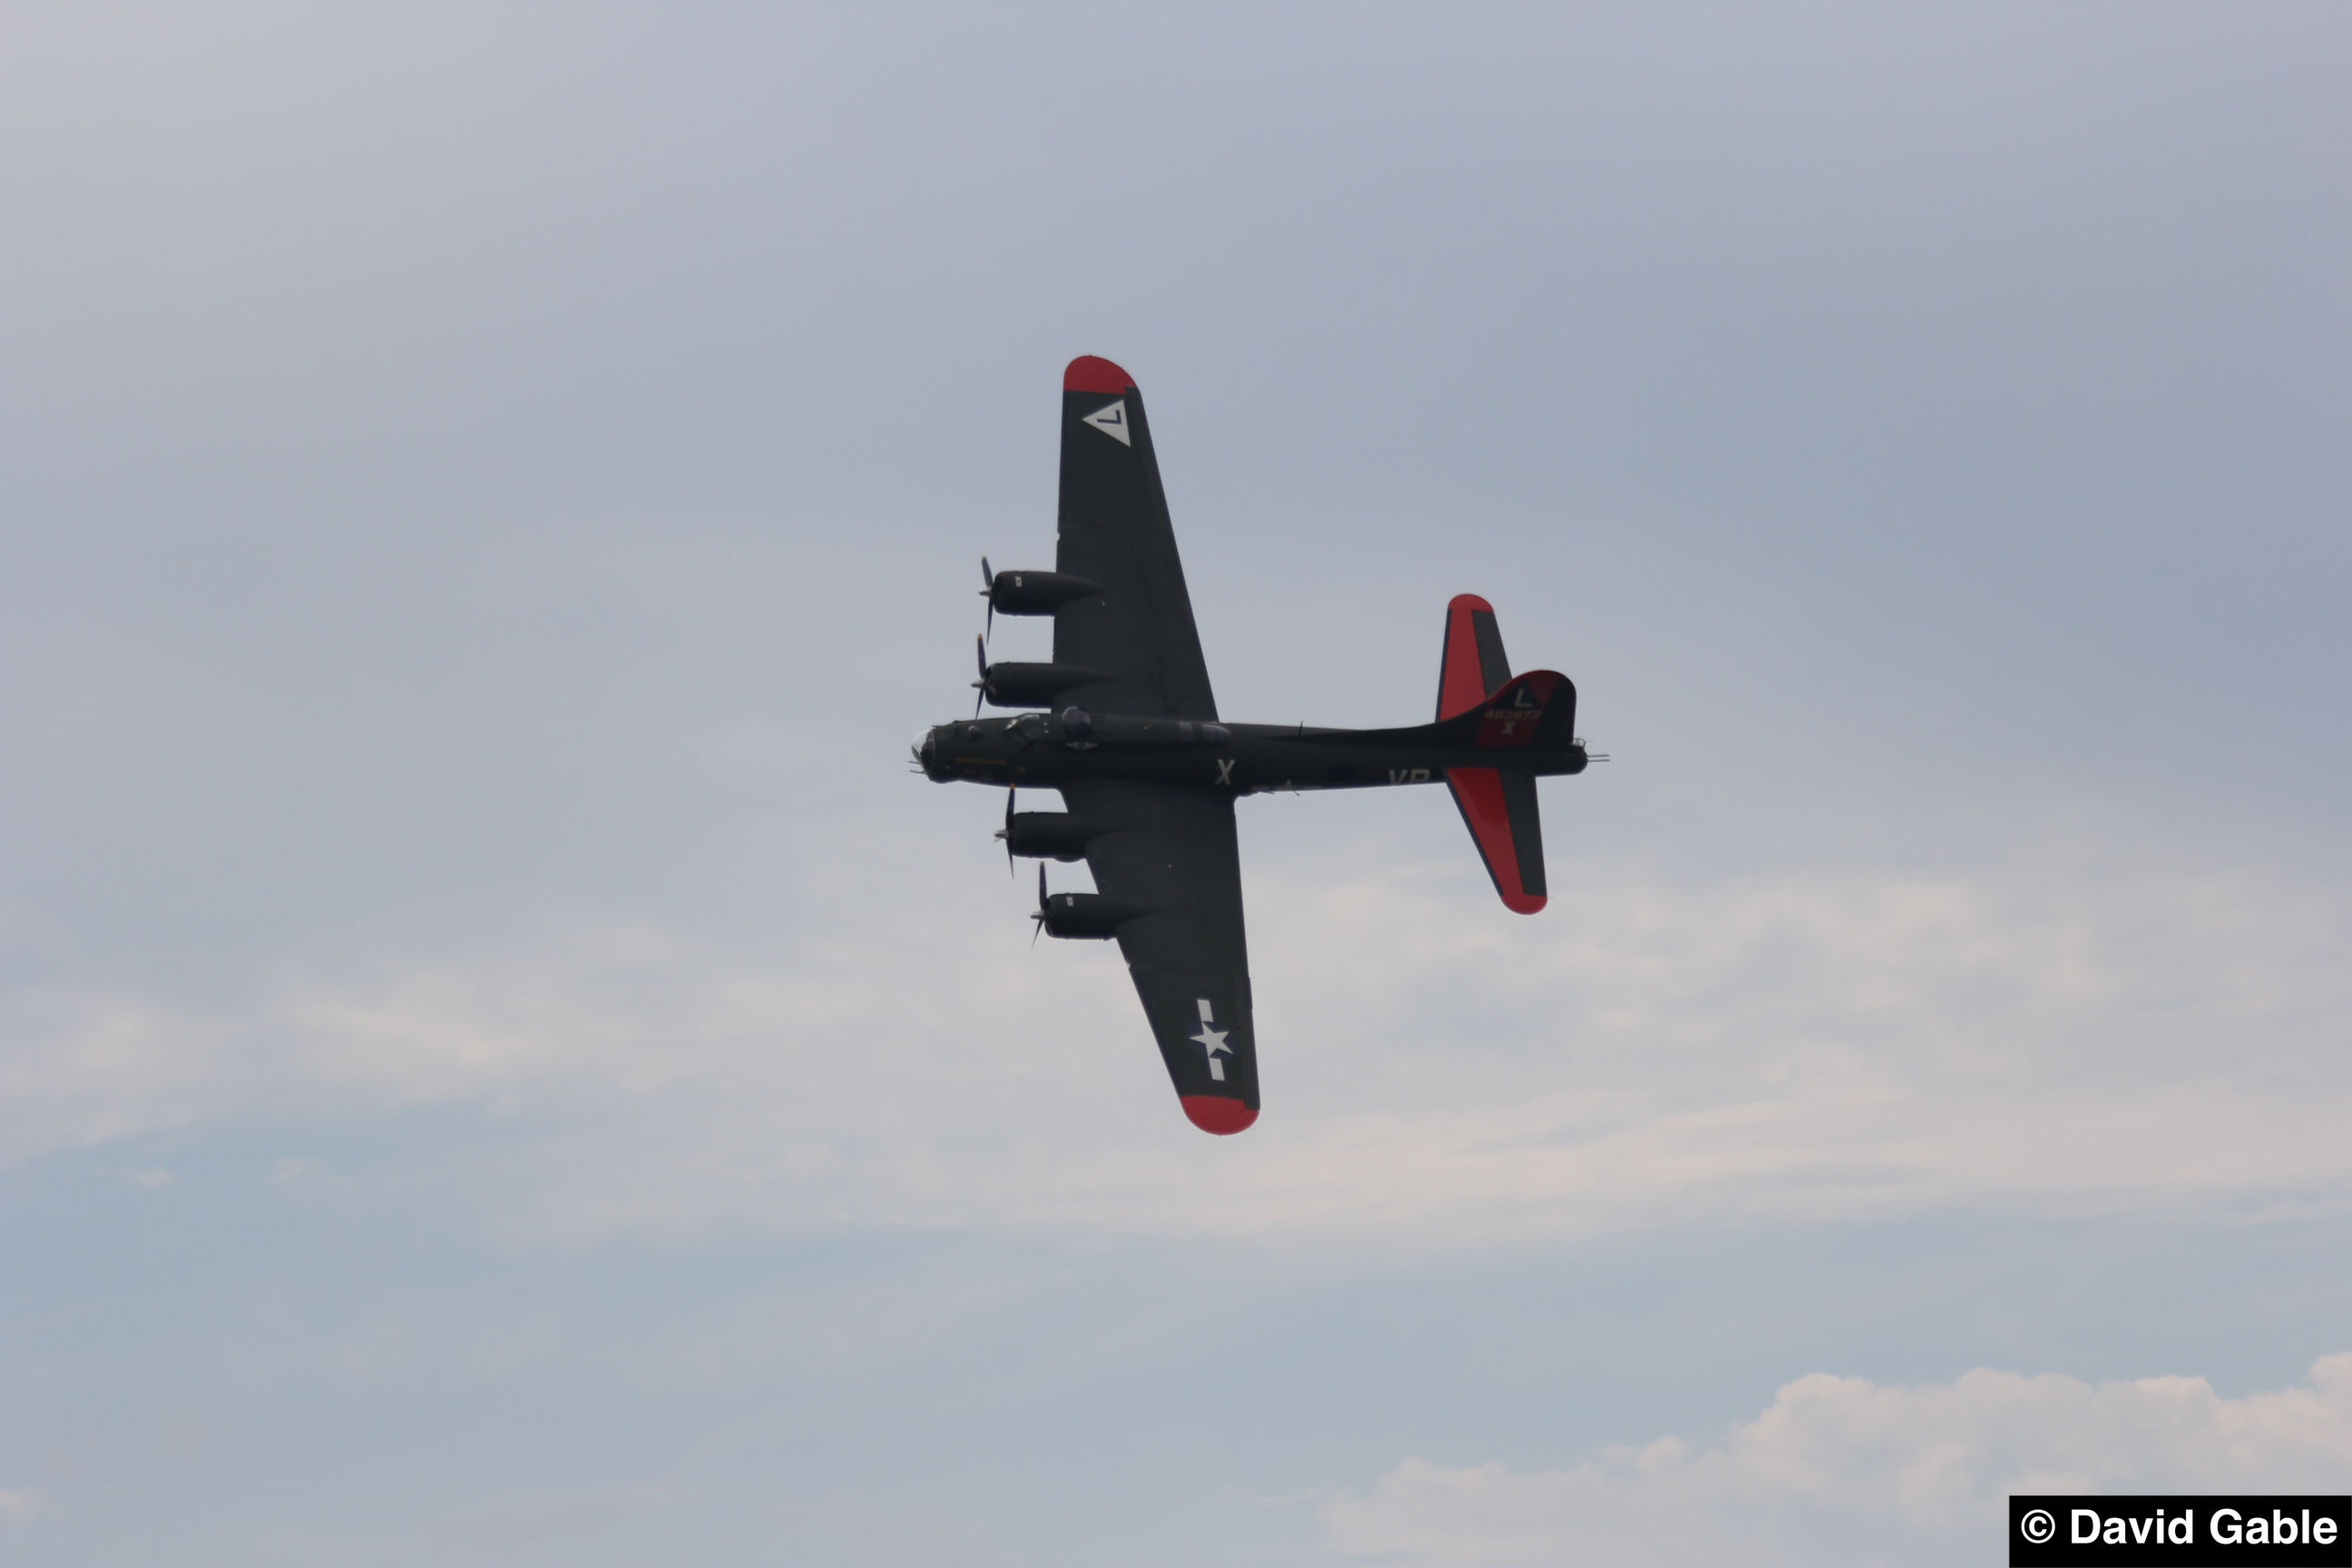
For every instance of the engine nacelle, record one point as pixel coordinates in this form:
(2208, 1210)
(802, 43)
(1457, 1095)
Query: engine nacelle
(1090, 916)
(1033, 685)
(1036, 593)
(1050, 835)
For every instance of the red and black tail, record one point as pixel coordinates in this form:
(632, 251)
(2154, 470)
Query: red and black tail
(1481, 705)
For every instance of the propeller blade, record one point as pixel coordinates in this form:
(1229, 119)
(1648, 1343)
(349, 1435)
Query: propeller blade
(1010, 791)
(988, 592)
(987, 576)
(980, 651)
(1040, 916)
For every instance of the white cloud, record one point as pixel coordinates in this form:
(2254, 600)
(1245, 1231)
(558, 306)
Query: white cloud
(1845, 1469)
(2122, 1031)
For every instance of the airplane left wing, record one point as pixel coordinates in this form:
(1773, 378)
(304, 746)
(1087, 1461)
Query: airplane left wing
(1137, 631)
(1174, 856)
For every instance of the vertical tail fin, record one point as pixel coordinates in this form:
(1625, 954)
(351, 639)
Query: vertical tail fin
(1534, 712)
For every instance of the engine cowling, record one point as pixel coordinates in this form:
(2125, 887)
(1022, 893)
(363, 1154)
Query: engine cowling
(1036, 593)
(1050, 835)
(1033, 685)
(1087, 916)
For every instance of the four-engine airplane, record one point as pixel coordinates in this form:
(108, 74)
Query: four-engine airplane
(1130, 737)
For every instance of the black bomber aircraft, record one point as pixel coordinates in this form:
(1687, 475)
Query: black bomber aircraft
(1129, 735)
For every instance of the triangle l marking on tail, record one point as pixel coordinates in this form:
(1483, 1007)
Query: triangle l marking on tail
(1111, 420)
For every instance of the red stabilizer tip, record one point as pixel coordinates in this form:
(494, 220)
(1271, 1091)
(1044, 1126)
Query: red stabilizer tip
(1524, 903)
(1469, 602)
(1088, 373)
(1214, 1113)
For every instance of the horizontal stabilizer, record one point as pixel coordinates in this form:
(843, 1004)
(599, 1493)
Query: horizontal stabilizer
(1472, 663)
(1499, 807)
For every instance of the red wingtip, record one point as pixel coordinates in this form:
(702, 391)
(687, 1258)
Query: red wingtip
(1524, 903)
(1215, 1113)
(1469, 602)
(1088, 373)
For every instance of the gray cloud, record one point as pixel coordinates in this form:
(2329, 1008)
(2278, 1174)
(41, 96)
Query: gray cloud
(489, 492)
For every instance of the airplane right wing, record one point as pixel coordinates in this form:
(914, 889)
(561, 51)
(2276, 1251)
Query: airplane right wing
(1174, 856)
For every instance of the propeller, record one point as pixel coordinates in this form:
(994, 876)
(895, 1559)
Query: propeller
(1006, 833)
(988, 592)
(981, 685)
(1040, 916)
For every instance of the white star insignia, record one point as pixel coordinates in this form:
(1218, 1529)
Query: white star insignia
(1212, 1039)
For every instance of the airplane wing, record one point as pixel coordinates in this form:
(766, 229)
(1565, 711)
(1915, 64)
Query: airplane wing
(1115, 530)
(1175, 856)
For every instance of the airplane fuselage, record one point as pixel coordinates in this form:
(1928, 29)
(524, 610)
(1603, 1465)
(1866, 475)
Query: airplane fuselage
(1041, 749)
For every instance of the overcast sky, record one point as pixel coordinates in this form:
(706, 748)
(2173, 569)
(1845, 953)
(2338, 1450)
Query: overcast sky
(500, 1062)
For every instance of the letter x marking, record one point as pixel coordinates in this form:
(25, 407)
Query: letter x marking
(1225, 770)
